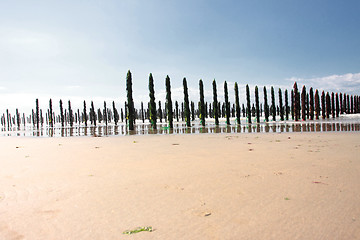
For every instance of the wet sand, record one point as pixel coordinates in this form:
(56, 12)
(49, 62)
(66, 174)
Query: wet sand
(202, 186)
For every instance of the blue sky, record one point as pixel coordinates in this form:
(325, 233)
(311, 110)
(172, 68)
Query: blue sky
(82, 50)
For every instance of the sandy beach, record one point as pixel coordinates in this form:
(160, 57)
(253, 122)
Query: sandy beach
(195, 186)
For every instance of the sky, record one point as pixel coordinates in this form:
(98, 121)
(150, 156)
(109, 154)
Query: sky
(82, 50)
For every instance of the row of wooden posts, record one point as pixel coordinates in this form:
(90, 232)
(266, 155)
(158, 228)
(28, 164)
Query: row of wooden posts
(304, 105)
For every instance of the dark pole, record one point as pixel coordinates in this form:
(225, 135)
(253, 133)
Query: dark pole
(237, 103)
(50, 113)
(152, 102)
(311, 108)
(257, 107)
(273, 106)
(286, 105)
(37, 113)
(303, 102)
(266, 106)
(130, 102)
(169, 102)
(215, 104)
(248, 103)
(202, 105)
(186, 104)
(296, 101)
(227, 104)
(281, 106)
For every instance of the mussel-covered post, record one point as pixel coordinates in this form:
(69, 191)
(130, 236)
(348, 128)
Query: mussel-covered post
(281, 106)
(273, 106)
(186, 104)
(257, 107)
(237, 104)
(85, 118)
(248, 110)
(152, 104)
(266, 106)
(61, 113)
(71, 116)
(311, 108)
(286, 105)
(296, 102)
(227, 104)
(37, 113)
(202, 104)
(303, 102)
(169, 102)
(50, 114)
(317, 105)
(130, 102)
(215, 104)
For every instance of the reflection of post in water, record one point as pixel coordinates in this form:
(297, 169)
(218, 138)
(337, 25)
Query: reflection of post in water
(257, 127)
(282, 127)
(312, 127)
(85, 131)
(116, 130)
(323, 127)
(50, 132)
(305, 127)
(140, 128)
(228, 129)
(249, 128)
(71, 131)
(92, 130)
(273, 127)
(337, 127)
(99, 131)
(217, 129)
(267, 127)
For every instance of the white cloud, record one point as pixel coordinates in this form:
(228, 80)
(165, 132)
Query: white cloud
(348, 83)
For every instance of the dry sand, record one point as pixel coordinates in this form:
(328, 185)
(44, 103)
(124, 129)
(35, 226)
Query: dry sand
(207, 186)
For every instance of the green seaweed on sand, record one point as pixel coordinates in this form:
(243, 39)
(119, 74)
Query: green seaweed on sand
(139, 229)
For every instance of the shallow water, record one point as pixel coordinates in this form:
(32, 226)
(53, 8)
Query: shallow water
(348, 123)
